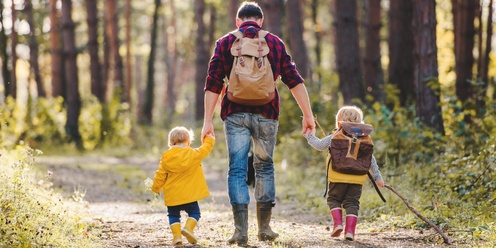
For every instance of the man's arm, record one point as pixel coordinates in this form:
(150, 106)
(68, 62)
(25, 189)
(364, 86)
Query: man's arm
(209, 104)
(301, 96)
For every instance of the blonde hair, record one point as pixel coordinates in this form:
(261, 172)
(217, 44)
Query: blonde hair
(349, 114)
(180, 135)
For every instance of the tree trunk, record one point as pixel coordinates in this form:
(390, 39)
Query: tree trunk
(113, 35)
(4, 54)
(374, 76)
(147, 117)
(297, 46)
(202, 57)
(484, 58)
(58, 88)
(128, 84)
(106, 63)
(464, 32)
(212, 23)
(273, 16)
(97, 84)
(401, 47)
(71, 75)
(318, 42)
(426, 70)
(33, 49)
(171, 58)
(347, 51)
(232, 11)
(13, 59)
(489, 36)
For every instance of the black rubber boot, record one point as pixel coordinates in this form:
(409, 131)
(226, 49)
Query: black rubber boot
(264, 213)
(240, 235)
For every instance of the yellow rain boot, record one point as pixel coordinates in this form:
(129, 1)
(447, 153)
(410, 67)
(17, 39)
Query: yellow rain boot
(176, 234)
(188, 230)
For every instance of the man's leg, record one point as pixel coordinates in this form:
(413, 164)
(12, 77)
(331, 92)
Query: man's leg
(264, 133)
(238, 138)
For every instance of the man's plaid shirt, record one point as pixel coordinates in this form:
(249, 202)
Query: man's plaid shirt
(221, 63)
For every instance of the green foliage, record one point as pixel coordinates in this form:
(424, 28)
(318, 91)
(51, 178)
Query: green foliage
(42, 123)
(32, 214)
(107, 124)
(448, 179)
(10, 114)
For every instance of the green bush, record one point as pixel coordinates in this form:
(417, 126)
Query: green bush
(31, 213)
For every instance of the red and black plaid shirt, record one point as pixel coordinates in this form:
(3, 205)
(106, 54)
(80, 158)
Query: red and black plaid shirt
(221, 63)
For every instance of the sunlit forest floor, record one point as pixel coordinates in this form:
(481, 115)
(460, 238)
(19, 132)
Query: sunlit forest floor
(128, 216)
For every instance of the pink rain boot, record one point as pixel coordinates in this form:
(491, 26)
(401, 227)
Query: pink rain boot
(351, 221)
(337, 215)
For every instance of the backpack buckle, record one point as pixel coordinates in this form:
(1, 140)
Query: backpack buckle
(353, 143)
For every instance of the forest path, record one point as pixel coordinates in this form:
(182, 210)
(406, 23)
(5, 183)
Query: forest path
(129, 217)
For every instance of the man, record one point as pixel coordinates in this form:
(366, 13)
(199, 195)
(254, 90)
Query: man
(257, 124)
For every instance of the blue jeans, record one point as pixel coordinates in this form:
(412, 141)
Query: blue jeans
(240, 130)
(192, 209)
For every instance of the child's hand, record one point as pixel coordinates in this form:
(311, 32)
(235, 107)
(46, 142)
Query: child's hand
(211, 136)
(380, 183)
(308, 134)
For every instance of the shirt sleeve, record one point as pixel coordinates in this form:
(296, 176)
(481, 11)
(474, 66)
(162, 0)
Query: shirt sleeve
(319, 144)
(286, 68)
(374, 169)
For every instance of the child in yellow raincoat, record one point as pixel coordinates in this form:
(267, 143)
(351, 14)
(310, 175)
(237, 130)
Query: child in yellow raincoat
(180, 176)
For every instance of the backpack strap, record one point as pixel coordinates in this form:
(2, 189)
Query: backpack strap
(238, 34)
(327, 167)
(327, 173)
(239, 37)
(376, 188)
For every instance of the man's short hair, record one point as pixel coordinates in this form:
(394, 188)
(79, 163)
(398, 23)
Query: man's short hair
(248, 10)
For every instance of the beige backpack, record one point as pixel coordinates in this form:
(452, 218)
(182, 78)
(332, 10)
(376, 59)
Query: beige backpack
(251, 81)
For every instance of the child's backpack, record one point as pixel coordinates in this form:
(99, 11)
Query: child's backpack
(351, 148)
(251, 81)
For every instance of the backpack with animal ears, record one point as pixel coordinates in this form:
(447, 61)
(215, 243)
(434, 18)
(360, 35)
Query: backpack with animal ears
(251, 81)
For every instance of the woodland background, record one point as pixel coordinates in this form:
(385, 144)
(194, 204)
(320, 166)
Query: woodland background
(112, 77)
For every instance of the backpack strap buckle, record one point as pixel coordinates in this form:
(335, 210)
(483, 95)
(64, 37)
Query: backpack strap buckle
(356, 132)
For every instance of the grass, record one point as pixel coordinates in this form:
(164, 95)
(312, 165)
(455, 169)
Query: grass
(32, 213)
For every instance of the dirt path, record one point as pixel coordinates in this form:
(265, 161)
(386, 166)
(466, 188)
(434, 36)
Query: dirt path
(130, 217)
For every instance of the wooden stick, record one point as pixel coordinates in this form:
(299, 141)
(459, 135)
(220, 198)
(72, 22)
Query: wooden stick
(446, 240)
(318, 124)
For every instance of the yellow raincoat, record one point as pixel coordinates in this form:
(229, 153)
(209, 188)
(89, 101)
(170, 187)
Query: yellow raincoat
(180, 174)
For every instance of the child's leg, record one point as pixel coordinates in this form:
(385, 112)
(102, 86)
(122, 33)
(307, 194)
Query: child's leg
(193, 210)
(174, 214)
(334, 200)
(351, 204)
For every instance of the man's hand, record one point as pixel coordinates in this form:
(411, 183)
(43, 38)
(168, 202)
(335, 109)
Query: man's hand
(308, 124)
(208, 129)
